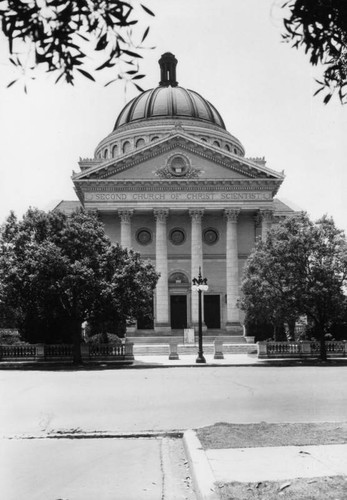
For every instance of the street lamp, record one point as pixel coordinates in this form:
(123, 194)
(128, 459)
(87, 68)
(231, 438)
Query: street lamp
(200, 285)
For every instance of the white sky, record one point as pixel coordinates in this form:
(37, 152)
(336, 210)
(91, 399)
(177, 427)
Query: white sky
(229, 51)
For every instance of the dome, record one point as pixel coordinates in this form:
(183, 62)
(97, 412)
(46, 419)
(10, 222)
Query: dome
(169, 101)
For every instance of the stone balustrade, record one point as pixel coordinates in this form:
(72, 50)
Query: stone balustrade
(303, 349)
(64, 352)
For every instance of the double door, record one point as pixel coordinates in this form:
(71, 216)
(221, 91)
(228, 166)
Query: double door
(178, 308)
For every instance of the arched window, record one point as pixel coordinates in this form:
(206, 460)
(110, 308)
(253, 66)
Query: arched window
(140, 143)
(114, 151)
(126, 147)
(227, 147)
(203, 139)
(216, 143)
(106, 153)
(155, 138)
(235, 151)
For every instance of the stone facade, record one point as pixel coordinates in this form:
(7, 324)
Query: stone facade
(173, 184)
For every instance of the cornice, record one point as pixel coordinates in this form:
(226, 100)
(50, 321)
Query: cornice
(188, 256)
(227, 159)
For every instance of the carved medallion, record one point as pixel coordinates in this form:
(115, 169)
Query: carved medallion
(144, 236)
(177, 165)
(210, 236)
(177, 236)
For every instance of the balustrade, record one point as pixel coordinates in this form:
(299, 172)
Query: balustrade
(40, 352)
(17, 351)
(300, 349)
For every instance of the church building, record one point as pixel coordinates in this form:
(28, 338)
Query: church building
(173, 184)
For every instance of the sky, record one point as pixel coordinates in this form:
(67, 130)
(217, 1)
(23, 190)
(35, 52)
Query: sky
(230, 52)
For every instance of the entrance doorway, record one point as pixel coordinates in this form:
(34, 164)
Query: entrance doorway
(212, 311)
(178, 311)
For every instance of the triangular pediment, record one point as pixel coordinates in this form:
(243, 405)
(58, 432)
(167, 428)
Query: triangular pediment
(199, 162)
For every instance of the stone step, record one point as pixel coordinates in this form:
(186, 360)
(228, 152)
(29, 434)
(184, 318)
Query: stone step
(186, 349)
(151, 350)
(207, 339)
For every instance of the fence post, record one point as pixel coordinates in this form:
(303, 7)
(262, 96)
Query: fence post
(218, 349)
(40, 352)
(85, 352)
(173, 350)
(128, 350)
(262, 349)
(305, 346)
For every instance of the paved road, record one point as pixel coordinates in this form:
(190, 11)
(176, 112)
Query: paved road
(37, 402)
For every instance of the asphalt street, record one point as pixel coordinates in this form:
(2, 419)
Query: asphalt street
(125, 400)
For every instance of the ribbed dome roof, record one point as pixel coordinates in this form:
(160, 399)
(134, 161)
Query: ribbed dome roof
(169, 101)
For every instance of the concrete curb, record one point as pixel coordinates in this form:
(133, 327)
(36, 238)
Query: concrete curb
(175, 434)
(141, 365)
(202, 475)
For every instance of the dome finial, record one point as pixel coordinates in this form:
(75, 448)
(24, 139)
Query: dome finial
(168, 64)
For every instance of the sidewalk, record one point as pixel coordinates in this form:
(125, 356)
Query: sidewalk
(211, 468)
(185, 360)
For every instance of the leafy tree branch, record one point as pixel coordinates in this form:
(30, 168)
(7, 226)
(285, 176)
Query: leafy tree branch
(66, 37)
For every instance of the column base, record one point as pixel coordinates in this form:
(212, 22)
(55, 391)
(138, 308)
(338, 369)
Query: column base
(249, 340)
(162, 328)
(234, 328)
(196, 327)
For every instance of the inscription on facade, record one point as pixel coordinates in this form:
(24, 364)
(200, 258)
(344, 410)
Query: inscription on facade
(181, 196)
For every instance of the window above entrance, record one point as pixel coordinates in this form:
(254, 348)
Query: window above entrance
(178, 278)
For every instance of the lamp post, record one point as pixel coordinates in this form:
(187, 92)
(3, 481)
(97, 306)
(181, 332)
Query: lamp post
(200, 285)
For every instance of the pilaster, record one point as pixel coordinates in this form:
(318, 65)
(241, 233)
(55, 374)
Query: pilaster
(232, 271)
(266, 222)
(196, 257)
(162, 289)
(125, 227)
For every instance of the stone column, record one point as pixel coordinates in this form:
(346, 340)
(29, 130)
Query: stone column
(266, 222)
(232, 272)
(196, 259)
(125, 227)
(162, 290)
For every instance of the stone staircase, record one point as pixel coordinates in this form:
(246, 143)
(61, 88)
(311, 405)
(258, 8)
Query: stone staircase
(160, 345)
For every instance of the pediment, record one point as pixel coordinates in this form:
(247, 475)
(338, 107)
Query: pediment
(177, 156)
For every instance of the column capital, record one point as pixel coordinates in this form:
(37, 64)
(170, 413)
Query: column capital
(125, 214)
(266, 215)
(161, 214)
(196, 214)
(232, 214)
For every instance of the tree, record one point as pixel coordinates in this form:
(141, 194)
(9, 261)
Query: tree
(267, 294)
(58, 271)
(301, 269)
(62, 36)
(320, 26)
